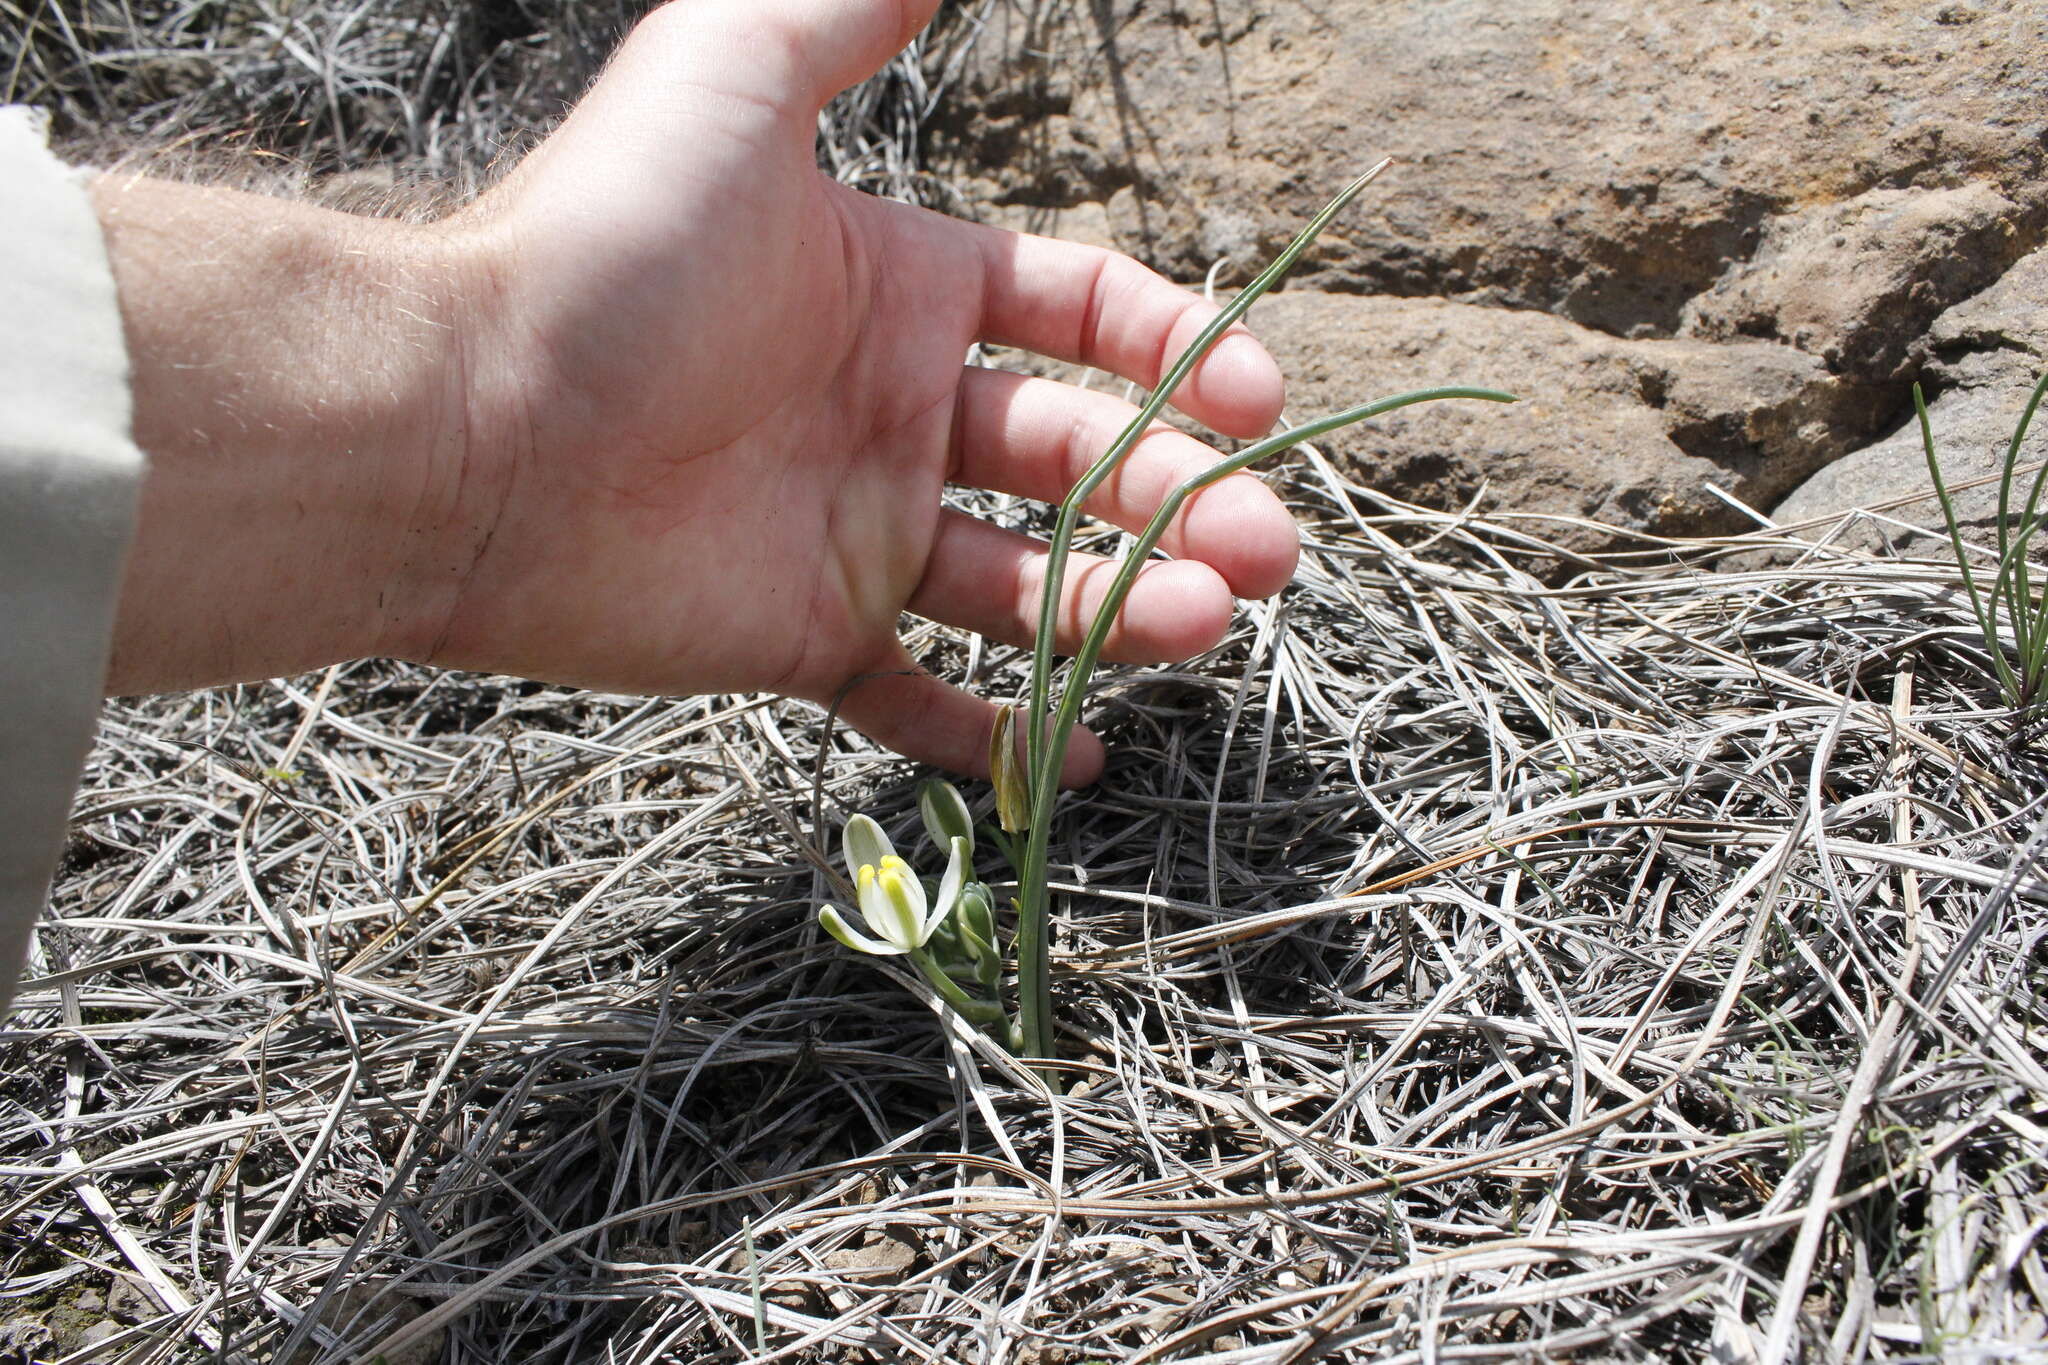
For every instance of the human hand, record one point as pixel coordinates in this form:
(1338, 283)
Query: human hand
(701, 403)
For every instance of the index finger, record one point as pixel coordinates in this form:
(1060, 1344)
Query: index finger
(1100, 308)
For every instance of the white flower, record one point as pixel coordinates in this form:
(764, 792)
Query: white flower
(892, 899)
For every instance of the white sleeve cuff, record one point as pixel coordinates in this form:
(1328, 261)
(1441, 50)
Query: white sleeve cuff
(69, 479)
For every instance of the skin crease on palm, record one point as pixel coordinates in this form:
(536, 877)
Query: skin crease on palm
(668, 411)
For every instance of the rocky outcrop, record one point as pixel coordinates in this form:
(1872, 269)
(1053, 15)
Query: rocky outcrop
(1625, 432)
(1980, 361)
(1782, 195)
(1857, 283)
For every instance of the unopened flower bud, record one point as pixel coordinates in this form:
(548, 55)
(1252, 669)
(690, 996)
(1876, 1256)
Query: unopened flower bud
(1006, 772)
(945, 815)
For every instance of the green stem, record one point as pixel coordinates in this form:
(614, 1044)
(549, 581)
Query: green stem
(1044, 767)
(1034, 996)
(980, 1013)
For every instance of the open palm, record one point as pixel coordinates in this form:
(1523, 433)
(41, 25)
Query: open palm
(714, 398)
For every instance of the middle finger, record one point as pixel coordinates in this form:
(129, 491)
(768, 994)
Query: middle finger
(1035, 438)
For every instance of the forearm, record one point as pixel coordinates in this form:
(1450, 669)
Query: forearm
(297, 381)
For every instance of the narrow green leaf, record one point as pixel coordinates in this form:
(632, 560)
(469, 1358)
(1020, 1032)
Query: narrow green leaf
(1987, 623)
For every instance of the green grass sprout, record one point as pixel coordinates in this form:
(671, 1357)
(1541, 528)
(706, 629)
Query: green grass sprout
(2012, 605)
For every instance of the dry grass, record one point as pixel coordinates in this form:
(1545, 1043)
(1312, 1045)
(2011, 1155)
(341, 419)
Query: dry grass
(439, 87)
(368, 99)
(1454, 967)
(1484, 955)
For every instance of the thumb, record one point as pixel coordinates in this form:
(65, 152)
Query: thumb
(831, 44)
(737, 77)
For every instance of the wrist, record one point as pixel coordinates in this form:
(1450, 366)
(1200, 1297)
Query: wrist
(297, 377)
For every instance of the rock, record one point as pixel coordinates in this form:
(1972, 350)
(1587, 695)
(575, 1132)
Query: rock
(1741, 221)
(99, 1331)
(1981, 360)
(1998, 337)
(24, 1338)
(128, 1300)
(1972, 427)
(882, 1256)
(75, 1320)
(1856, 283)
(1622, 431)
(1038, 1353)
(1603, 160)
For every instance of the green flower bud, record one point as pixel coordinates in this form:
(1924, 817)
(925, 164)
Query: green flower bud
(976, 915)
(945, 815)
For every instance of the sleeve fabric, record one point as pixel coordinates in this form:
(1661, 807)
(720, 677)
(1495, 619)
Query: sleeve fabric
(70, 476)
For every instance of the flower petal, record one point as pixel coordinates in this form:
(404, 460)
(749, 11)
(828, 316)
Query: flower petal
(892, 901)
(836, 925)
(864, 845)
(949, 886)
